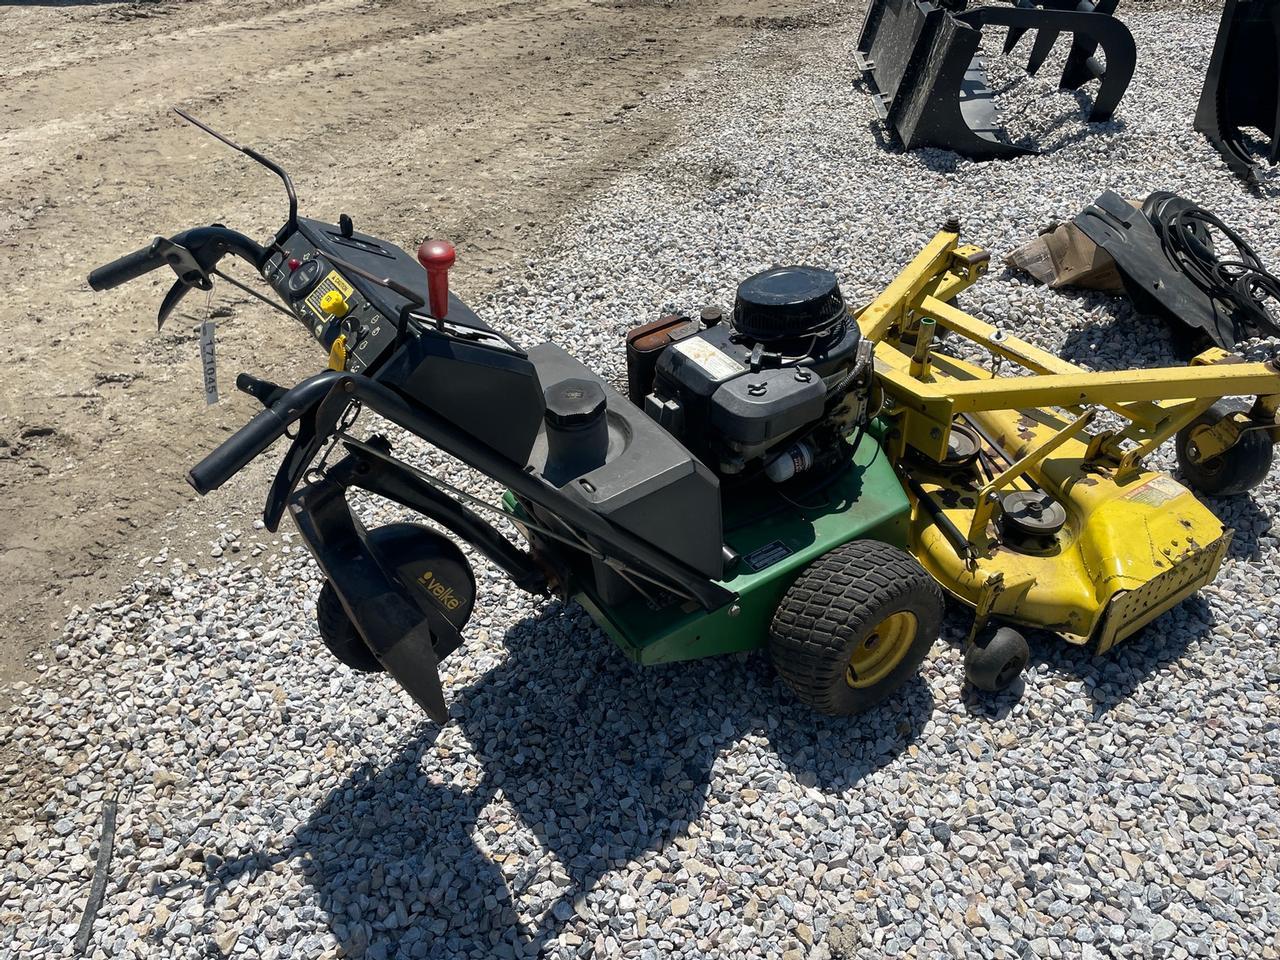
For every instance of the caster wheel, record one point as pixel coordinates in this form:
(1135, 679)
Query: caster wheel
(340, 635)
(1237, 470)
(996, 659)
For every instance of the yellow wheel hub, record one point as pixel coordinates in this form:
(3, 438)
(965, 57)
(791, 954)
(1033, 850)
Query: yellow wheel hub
(879, 652)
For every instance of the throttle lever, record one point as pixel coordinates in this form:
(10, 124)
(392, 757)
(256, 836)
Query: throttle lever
(171, 300)
(436, 257)
(191, 273)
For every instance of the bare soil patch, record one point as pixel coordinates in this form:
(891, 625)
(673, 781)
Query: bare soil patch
(480, 121)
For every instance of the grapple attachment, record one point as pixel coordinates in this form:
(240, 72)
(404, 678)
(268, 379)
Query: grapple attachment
(929, 80)
(1242, 87)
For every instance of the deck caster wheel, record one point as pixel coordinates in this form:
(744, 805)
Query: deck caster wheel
(340, 635)
(1236, 470)
(996, 659)
(855, 626)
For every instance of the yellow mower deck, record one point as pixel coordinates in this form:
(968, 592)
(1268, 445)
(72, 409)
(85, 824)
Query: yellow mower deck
(1127, 552)
(1134, 542)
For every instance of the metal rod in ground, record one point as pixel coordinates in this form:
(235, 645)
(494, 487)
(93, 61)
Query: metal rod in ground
(99, 887)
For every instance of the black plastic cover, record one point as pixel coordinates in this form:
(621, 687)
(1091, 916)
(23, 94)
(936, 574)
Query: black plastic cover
(1154, 284)
(649, 485)
(759, 408)
(491, 393)
(787, 302)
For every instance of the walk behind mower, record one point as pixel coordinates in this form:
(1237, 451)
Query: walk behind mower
(745, 495)
(754, 508)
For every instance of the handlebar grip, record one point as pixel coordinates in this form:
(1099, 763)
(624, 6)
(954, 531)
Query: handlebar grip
(235, 453)
(129, 267)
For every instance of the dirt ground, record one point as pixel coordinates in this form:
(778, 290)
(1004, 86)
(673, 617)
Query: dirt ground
(479, 121)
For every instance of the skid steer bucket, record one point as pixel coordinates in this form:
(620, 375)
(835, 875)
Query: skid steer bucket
(923, 64)
(1242, 87)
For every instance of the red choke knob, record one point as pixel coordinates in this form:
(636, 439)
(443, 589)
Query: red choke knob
(437, 256)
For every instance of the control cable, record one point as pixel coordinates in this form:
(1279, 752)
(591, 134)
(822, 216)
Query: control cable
(1242, 282)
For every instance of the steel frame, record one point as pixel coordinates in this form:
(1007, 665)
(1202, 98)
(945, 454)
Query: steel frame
(1156, 402)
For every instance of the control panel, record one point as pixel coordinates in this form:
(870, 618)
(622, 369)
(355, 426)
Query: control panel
(331, 305)
(355, 318)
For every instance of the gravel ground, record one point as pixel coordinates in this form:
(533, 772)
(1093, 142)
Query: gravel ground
(273, 804)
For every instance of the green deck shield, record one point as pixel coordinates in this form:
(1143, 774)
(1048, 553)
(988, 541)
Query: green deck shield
(776, 539)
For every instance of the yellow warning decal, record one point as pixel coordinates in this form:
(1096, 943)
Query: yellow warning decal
(1159, 490)
(333, 282)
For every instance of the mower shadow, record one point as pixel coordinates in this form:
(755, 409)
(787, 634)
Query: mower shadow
(596, 765)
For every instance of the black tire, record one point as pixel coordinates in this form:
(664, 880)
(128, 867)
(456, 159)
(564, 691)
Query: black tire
(835, 609)
(339, 633)
(996, 659)
(1238, 470)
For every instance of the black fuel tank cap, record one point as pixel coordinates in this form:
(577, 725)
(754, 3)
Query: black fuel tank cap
(787, 302)
(574, 403)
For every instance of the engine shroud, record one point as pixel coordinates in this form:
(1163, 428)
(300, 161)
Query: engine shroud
(734, 393)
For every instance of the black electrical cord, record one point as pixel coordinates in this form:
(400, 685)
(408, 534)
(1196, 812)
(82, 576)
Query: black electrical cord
(1241, 282)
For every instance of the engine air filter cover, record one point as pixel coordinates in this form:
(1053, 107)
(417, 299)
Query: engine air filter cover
(787, 302)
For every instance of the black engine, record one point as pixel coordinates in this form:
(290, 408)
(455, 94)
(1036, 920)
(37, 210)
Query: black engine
(776, 390)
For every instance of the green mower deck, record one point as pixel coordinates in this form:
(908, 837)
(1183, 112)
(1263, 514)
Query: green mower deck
(776, 539)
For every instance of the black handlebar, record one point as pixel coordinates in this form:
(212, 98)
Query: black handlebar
(191, 253)
(129, 267)
(237, 451)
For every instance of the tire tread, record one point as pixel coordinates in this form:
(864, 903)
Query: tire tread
(840, 595)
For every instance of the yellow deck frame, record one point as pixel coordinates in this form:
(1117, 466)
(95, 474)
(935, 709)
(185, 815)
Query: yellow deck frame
(1136, 542)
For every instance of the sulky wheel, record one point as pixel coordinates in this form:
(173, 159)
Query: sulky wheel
(855, 626)
(339, 633)
(996, 659)
(1236, 470)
